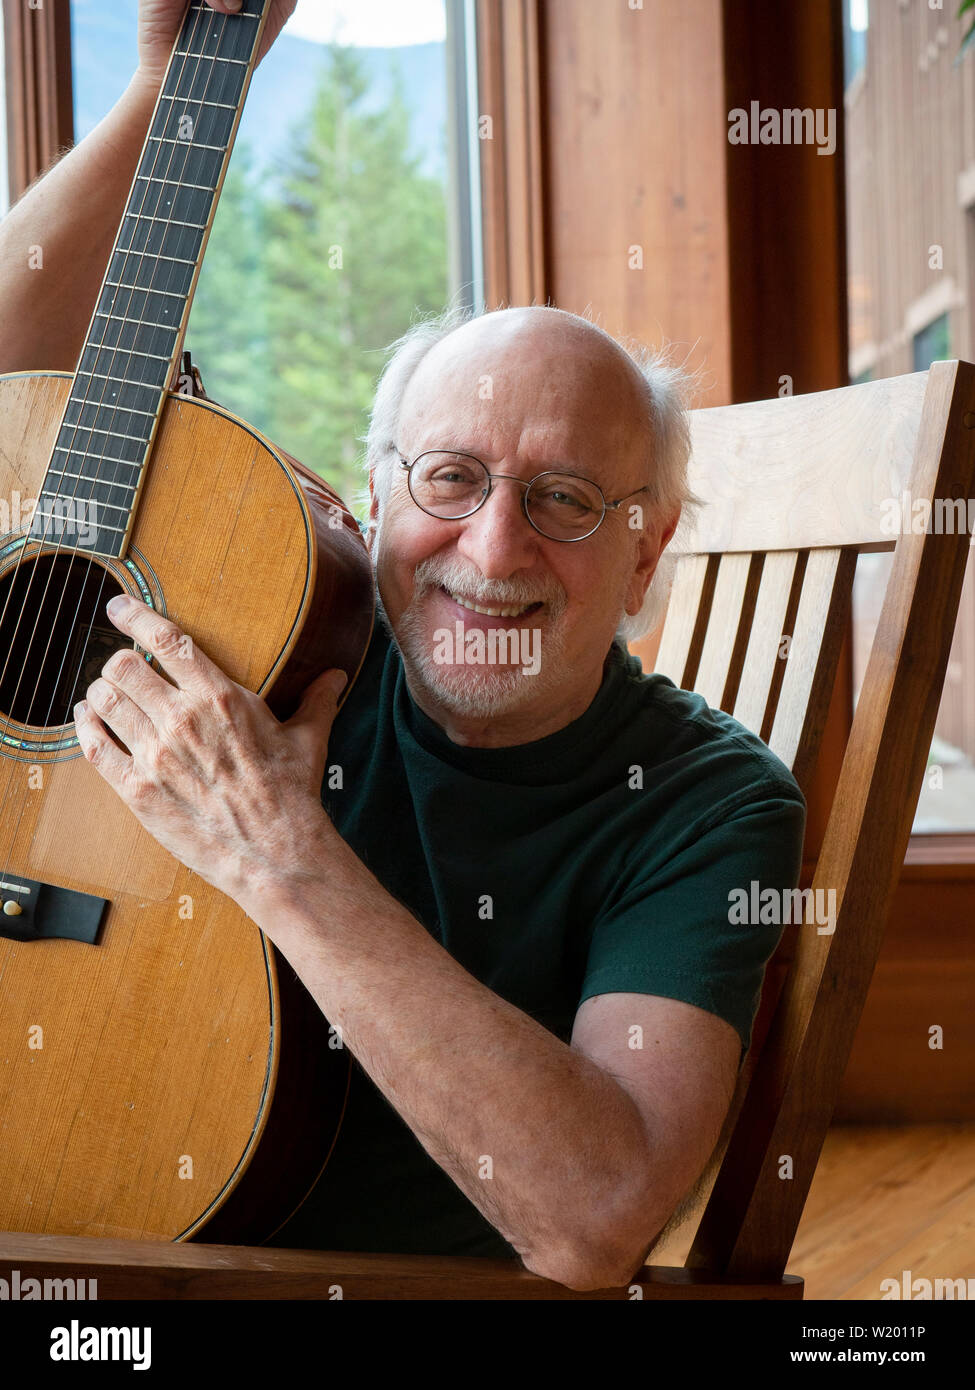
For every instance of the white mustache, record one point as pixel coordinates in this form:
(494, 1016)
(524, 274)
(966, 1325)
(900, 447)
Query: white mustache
(432, 574)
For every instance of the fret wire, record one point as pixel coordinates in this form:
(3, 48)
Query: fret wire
(143, 289)
(143, 323)
(188, 144)
(97, 501)
(212, 57)
(132, 352)
(198, 101)
(106, 458)
(205, 10)
(169, 221)
(153, 255)
(91, 478)
(47, 516)
(200, 10)
(109, 405)
(177, 183)
(126, 381)
(113, 434)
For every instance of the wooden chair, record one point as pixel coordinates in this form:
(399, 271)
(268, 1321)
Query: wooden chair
(795, 489)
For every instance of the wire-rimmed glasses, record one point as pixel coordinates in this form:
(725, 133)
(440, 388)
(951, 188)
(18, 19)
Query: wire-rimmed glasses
(560, 506)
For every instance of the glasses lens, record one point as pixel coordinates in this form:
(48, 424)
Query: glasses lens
(448, 485)
(564, 507)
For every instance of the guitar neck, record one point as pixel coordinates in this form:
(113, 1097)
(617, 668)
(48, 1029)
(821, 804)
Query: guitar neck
(99, 461)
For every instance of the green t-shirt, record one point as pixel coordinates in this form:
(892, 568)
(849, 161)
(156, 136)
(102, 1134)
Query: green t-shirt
(597, 860)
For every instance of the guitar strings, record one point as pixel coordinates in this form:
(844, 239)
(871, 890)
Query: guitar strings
(83, 453)
(114, 480)
(126, 257)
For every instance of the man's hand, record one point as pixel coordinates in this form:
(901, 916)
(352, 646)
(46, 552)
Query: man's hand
(209, 771)
(160, 20)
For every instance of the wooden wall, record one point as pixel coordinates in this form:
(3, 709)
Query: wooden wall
(635, 193)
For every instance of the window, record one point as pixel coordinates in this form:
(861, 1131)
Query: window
(931, 344)
(855, 24)
(910, 184)
(346, 209)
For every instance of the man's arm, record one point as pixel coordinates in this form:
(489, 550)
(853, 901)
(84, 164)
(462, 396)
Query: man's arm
(73, 211)
(577, 1154)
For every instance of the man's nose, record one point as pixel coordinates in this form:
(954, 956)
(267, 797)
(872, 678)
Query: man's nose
(498, 537)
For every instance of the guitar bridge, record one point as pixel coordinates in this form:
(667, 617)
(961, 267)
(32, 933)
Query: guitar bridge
(32, 911)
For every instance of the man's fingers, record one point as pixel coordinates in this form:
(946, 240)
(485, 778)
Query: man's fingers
(145, 688)
(98, 748)
(122, 716)
(314, 716)
(179, 656)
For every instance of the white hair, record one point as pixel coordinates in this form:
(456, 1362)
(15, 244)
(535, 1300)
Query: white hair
(668, 388)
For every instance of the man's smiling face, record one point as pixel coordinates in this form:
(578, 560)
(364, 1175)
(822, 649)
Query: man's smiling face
(525, 391)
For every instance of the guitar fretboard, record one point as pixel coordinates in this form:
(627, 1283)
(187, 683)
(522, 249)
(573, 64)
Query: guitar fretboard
(97, 467)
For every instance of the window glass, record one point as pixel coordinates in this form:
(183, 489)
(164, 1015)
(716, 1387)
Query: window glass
(336, 219)
(855, 22)
(931, 344)
(911, 257)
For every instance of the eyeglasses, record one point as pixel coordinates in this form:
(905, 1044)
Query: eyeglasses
(560, 506)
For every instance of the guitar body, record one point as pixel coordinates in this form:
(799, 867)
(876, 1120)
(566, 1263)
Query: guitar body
(160, 1076)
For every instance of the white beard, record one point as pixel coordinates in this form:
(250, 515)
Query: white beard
(478, 692)
(481, 691)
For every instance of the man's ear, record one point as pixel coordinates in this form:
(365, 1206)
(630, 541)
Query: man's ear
(373, 508)
(652, 543)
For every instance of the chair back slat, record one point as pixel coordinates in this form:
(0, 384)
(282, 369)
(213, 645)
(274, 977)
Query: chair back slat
(760, 637)
(809, 669)
(686, 623)
(768, 651)
(723, 653)
(788, 1091)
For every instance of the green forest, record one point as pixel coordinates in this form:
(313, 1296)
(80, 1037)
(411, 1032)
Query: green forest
(310, 274)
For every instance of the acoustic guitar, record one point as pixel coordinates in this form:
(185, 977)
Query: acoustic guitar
(163, 1073)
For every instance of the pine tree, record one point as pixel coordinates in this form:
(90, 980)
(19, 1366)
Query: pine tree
(227, 333)
(356, 242)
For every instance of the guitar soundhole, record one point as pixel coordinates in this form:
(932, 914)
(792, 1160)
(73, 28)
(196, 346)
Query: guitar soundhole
(55, 636)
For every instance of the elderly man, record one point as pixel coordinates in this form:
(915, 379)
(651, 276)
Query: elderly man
(514, 902)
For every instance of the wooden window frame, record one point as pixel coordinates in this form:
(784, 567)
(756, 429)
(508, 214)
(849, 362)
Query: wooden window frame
(37, 88)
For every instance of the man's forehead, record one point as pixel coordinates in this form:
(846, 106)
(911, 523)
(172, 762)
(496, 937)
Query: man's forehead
(501, 392)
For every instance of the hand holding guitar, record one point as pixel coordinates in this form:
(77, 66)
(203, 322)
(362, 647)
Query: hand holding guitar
(160, 20)
(209, 771)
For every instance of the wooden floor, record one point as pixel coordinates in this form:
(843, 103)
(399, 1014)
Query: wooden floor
(884, 1200)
